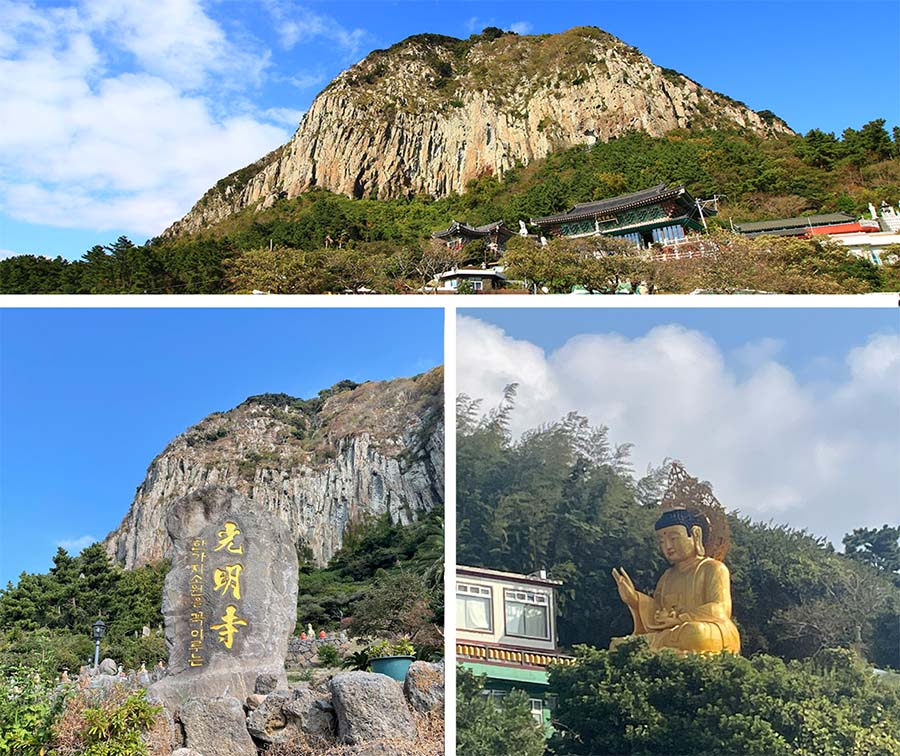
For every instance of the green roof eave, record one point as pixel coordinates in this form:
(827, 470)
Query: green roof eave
(509, 674)
(659, 223)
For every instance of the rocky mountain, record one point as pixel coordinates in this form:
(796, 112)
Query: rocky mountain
(320, 464)
(432, 113)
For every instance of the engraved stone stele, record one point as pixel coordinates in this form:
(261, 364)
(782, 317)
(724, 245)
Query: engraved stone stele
(230, 598)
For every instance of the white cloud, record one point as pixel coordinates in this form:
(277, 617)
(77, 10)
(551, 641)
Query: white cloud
(305, 80)
(295, 23)
(285, 116)
(474, 24)
(75, 545)
(90, 142)
(824, 459)
(521, 27)
(4, 253)
(757, 352)
(173, 39)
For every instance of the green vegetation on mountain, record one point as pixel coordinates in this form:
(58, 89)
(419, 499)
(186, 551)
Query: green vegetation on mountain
(386, 581)
(561, 497)
(321, 242)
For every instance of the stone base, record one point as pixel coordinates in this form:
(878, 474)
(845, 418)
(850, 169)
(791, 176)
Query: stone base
(175, 690)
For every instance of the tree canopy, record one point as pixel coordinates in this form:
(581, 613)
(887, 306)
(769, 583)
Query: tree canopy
(633, 701)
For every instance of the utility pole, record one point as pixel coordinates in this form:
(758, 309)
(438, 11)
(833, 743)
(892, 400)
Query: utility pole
(702, 219)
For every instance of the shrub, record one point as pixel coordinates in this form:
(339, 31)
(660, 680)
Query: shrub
(401, 647)
(329, 655)
(633, 701)
(117, 722)
(30, 703)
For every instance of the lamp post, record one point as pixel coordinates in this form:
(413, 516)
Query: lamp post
(98, 630)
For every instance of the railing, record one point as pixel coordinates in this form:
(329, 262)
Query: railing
(515, 656)
(685, 250)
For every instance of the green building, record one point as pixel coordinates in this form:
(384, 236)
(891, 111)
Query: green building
(506, 630)
(665, 216)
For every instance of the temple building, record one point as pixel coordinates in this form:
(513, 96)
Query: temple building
(662, 215)
(506, 630)
(808, 225)
(470, 280)
(495, 235)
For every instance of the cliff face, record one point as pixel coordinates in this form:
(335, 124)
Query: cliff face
(432, 113)
(319, 465)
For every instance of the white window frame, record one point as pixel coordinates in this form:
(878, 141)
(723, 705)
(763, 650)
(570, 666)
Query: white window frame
(528, 597)
(537, 712)
(481, 592)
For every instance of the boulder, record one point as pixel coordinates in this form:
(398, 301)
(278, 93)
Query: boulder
(284, 715)
(229, 600)
(266, 683)
(186, 752)
(370, 707)
(424, 687)
(216, 727)
(268, 722)
(254, 700)
(313, 714)
(108, 667)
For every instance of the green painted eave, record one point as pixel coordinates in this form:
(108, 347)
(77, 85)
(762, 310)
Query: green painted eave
(509, 674)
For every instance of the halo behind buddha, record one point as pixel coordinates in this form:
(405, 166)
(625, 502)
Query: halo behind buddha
(688, 493)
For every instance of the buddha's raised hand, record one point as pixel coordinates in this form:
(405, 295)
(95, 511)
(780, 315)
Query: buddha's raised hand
(627, 591)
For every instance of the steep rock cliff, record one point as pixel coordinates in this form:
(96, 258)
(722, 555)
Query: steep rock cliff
(432, 113)
(319, 464)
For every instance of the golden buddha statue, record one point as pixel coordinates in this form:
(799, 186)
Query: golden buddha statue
(690, 610)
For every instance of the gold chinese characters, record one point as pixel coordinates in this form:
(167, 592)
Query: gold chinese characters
(229, 625)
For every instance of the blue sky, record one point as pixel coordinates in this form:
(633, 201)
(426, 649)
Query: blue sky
(791, 414)
(88, 397)
(118, 114)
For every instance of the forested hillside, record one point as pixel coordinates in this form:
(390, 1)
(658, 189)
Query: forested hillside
(322, 242)
(563, 498)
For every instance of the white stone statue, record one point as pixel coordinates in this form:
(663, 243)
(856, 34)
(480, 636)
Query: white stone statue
(522, 230)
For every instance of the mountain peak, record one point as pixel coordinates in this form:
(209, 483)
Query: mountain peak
(433, 112)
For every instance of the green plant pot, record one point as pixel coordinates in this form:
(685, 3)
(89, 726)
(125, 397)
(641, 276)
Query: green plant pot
(394, 667)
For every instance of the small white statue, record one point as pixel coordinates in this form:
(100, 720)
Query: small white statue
(522, 230)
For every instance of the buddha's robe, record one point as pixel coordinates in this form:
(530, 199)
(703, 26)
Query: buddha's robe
(701, 589)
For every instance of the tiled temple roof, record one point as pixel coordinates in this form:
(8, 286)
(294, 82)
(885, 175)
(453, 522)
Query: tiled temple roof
(658, 193)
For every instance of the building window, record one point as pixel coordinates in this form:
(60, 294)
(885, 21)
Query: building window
(668, 234)
(453, 283)
(477, 285)
(537, 709)
(473, 607)
(527, 614)
(635, 238)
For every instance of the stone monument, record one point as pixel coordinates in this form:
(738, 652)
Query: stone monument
(690, 610)
(230, 598)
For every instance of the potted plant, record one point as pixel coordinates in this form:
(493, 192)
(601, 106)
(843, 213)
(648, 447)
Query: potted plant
(392, 658)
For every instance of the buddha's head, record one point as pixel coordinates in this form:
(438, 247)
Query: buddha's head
(679, 534)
